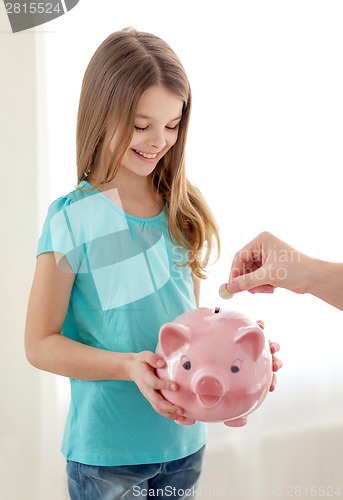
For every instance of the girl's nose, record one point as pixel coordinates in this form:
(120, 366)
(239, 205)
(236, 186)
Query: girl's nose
(157, 140)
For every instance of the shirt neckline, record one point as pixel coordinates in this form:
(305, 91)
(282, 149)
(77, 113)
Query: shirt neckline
(115, 207)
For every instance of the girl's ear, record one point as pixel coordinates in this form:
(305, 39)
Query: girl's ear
(173, 336)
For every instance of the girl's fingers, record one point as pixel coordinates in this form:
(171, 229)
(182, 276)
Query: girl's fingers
(273, 383)
(158, 384)
(274, 347)
(277, 364)
(164, 407)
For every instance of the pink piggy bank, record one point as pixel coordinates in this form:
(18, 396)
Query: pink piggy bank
(221, 362)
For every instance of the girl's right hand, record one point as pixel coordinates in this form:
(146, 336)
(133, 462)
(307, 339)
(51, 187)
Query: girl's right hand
(142, 372)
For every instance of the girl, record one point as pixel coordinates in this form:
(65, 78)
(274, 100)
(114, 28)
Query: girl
(118, 257)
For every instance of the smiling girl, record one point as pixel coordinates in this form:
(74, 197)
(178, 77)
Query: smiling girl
(118, 257)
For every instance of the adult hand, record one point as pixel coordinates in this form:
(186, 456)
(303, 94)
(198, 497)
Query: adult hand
(267, 263)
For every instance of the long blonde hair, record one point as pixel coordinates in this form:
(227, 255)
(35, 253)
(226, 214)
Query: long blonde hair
(123, 67)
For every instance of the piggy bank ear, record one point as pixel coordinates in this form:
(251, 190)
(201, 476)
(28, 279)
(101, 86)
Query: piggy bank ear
(251, 339)
(173, 336)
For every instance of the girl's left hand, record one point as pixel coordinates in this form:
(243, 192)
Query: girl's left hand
(277, 363)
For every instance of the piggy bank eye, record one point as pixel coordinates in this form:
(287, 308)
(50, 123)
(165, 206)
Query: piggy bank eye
(186, 363)
(236, 366)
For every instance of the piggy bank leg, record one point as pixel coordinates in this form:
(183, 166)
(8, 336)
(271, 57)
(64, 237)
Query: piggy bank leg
(185, 421)
(236, 422)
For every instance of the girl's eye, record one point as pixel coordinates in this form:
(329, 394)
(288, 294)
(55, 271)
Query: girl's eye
(173, 128)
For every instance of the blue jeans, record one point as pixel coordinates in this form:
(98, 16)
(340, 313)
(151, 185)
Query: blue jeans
(175, 479)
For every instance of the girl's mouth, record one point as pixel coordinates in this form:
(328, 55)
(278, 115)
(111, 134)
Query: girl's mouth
(146, 156)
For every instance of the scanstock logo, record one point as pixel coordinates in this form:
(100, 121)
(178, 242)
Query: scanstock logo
(25, 14)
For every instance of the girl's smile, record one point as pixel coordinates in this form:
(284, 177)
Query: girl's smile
(146, 156)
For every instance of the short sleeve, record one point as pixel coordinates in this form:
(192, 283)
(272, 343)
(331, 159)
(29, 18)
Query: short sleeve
(57, 235)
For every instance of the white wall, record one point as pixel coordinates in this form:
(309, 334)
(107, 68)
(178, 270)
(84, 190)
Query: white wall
(20, 388)
(27, 469)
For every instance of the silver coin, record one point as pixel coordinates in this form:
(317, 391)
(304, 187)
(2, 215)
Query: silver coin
(224, 293)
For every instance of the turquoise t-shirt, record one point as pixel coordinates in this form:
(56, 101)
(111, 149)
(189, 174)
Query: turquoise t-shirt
(127, 284)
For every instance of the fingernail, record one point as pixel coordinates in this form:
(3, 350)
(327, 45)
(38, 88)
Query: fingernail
(160, 363)
(179, 413)
(173, 387)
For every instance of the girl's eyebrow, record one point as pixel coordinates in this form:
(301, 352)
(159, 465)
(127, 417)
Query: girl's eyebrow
(145, 117)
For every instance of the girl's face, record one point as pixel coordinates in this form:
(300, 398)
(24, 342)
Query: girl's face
(157, 119)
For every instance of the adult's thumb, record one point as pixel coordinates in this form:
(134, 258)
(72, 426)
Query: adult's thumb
(246, 282)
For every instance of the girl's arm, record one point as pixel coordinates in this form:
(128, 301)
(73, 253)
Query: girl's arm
(48, 350)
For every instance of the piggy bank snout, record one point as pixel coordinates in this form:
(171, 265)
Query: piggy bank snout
(209, 390)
